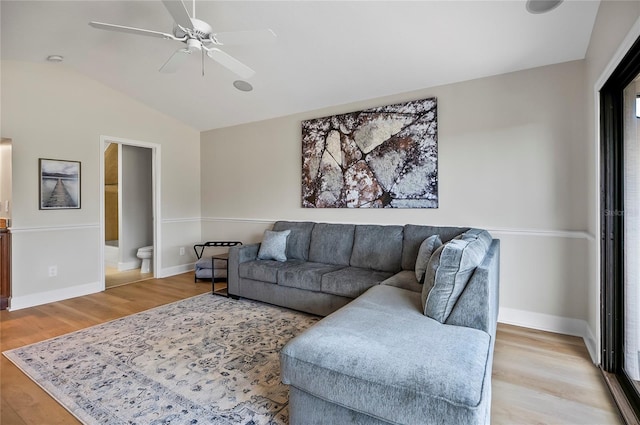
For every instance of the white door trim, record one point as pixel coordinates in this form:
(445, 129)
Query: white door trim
(156, 160)
(624, 47)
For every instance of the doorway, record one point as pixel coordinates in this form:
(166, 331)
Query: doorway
(129, 211)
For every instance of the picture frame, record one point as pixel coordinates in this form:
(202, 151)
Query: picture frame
(59, 182)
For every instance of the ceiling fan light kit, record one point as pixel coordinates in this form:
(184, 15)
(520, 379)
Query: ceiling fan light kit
(198, 36)
(193, 44)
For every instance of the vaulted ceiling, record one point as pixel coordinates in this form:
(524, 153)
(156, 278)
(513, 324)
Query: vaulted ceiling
(326, 53)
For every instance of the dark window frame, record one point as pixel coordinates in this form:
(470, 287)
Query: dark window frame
(612, 221)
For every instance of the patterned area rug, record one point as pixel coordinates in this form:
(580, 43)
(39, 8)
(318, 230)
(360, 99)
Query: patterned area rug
(204, 360)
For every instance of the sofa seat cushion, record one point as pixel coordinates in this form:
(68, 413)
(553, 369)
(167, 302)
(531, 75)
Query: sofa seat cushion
(431, 370)
(351, 281)
(405, 279)
(305, 276)
(265, 270)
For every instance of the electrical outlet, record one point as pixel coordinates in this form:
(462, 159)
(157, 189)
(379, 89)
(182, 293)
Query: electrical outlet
(53, 271)
(181, 250)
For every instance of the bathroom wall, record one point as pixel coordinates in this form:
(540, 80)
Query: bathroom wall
(111, 192)
(136, 207)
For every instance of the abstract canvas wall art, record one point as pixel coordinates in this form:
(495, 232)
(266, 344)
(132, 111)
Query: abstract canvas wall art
(385, 157)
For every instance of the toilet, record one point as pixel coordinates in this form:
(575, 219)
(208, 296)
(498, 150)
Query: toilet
(145, 254)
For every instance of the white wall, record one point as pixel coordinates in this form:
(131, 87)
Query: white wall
(613, 23)
(51, 111)
(136, 206)
(511, 159)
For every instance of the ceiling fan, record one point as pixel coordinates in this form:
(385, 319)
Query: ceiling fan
(197, 35)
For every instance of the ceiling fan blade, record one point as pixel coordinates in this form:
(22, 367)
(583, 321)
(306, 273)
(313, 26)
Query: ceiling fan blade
(246, 37)
(175, 61)
(231, 63)
(130, 30)
(179, 13)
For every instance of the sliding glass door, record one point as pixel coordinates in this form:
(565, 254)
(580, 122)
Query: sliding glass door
(630, 338)
(631, 288)
(620, 113)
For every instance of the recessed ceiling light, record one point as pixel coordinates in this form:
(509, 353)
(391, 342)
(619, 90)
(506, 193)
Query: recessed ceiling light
(55, 58)
(242, 85)
(542, 6)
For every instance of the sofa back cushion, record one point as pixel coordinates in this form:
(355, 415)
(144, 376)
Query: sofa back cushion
(332, 243)
(299, 239)
(414, 235)
(378, 248)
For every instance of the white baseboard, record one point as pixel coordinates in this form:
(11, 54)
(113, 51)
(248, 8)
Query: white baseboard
(592, 346)
(130, 265)
(109, 262)
(25, 301)
(550, 323)
(172, 271)
(40, 298)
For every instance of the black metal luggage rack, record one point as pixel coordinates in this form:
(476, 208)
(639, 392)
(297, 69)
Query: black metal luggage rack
(224, 257)
(213, 244)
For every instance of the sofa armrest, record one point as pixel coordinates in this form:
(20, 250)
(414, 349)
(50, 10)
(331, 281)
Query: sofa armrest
(477, 306)
(237, 255)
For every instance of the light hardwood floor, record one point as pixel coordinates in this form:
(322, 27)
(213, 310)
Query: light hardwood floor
(113, 277)
(546, 378)
(538, 377)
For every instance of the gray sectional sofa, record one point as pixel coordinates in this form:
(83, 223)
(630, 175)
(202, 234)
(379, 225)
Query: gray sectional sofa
(392, 349)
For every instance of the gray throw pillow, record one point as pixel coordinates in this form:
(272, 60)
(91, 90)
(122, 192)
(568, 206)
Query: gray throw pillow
(448, 271)
(274, 245)
(430, 275)
(427, 248)
(481, 235)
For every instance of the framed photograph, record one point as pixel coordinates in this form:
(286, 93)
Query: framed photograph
(59, 184)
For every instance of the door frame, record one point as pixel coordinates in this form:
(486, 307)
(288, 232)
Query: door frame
(156, 193)
(612, 221)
